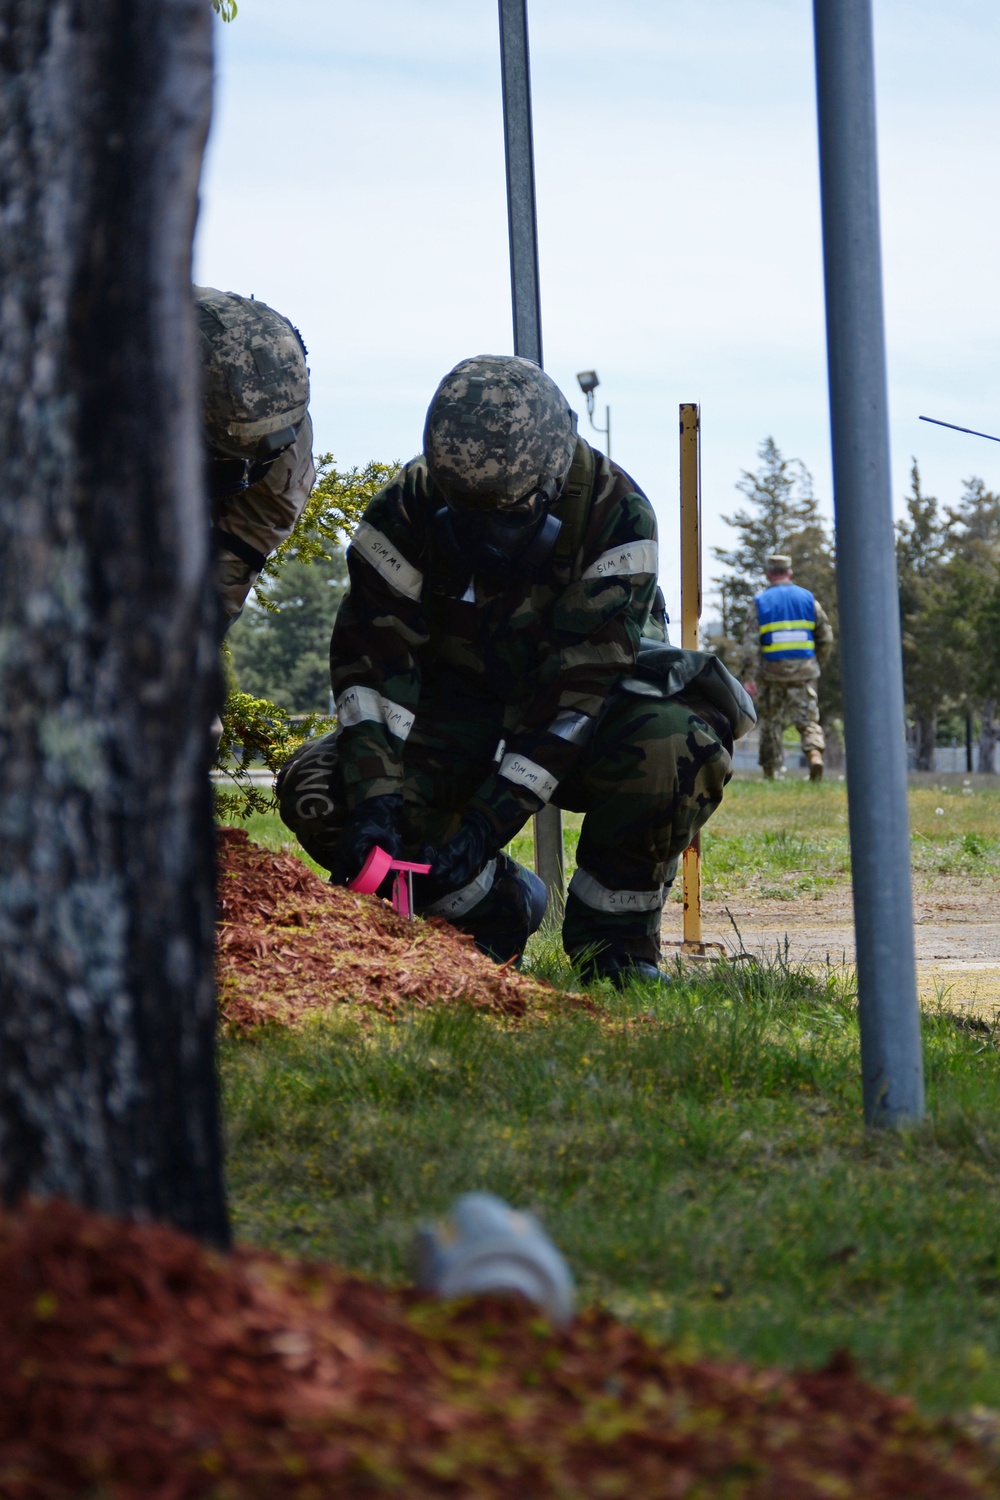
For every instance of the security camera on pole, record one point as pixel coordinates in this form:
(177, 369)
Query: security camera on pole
(588, 383)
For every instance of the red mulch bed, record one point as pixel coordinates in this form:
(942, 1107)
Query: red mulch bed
(289, 943)
(135, 1365)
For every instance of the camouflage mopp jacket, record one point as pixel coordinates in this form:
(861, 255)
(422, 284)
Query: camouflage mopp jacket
(417, 635)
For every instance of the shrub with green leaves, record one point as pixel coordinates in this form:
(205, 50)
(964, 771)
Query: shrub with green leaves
(255, 729)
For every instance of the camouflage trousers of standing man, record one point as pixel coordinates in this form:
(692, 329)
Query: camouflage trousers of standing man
(651, 774)
(782, 703)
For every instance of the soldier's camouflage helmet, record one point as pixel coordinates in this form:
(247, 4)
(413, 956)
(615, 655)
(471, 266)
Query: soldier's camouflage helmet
(254, 375)
(498, 430)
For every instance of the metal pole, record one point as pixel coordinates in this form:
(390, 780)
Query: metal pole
(527, 311)
(690, 615)
(520, 155)
(891, 1061)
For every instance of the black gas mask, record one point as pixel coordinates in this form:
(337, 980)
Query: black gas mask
(503, 547)
(231, 475)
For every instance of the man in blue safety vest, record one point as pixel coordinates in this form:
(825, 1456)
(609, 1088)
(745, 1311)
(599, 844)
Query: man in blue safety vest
(785, 639)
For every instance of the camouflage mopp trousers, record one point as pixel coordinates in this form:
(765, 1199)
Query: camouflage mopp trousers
(781, 703)
(651, 775)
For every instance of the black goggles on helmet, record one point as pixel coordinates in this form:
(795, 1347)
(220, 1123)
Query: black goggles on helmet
(525, 510)
(231, 474)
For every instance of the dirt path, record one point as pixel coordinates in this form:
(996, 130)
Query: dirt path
(957, 932)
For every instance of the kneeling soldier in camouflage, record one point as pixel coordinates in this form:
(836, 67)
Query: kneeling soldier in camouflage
(484, 663)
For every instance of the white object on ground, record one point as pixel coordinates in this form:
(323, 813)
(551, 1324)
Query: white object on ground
(484, 1245)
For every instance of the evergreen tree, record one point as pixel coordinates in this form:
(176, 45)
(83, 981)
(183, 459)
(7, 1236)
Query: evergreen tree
(971, 571)
(280, 647)
(987, 679)
(988, 643)
(929, 657)
(285, 656)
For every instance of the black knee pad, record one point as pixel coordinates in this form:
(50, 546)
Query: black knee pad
(513, 908)
(310, 796)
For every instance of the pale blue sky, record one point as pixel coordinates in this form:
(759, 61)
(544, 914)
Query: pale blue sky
(355, 181)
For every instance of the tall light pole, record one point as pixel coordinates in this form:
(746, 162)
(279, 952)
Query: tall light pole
(867, 589)
(588, 383)
(527, 311)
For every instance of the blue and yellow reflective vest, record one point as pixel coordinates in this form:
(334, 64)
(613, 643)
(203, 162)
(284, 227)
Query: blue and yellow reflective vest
(786, 615)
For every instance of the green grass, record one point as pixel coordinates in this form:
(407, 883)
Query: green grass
(697, 1153)
(788, 839)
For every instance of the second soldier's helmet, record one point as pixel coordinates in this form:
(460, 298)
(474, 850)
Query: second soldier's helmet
(254, 378)
(498, 431)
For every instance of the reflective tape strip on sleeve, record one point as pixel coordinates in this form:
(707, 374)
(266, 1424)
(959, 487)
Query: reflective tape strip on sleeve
(360, 704)
(460, 902)
(633, 557)
(525, 772)
(388, 561)
(357, 704)
(398, 720)
(597, 896)
(570, 726)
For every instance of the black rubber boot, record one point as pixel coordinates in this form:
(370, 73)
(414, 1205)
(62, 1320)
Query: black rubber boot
(512, 910)
(620, 967)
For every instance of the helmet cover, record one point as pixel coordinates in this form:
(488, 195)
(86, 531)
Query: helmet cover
(498, 430)
(254, 377)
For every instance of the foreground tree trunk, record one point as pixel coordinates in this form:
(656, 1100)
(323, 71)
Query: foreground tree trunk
(107, 663)
(988, 736)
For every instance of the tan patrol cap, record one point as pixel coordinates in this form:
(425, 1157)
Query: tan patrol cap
(778, 562)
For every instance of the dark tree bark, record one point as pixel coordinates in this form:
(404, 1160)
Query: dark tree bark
(988, 737)
(107, 664)
(924, 741)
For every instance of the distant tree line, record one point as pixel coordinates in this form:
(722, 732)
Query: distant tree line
(949, 586)
(285, 656)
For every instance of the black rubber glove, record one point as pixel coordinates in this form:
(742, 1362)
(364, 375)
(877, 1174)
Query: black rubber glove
(375, 821)
(473, 846)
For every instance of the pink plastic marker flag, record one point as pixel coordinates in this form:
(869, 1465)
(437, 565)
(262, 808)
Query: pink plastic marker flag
(374, 870)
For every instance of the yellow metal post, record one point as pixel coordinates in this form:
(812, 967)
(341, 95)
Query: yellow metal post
(690, 615)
